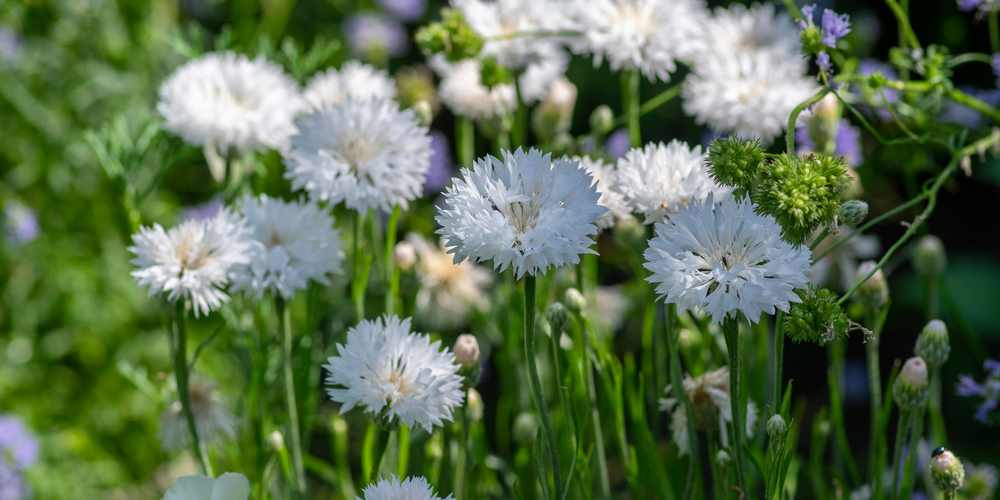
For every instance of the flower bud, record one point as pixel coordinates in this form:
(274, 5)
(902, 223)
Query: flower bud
(602, 119)
(722, 458)
(817, 318)
(929, 257)
(776, 427)
(911, 390)
(406, 255)
(947, 472)
(734, 161)
(525, 428)
(852, 213)
(932, 344)
(415, 84)
(452, 35)
(874, 292)
(474, 405)
(823, 124)
(575, 301)
(557, 316)
(275, 441)
(467, 351)
(424, 112)
(493, 73)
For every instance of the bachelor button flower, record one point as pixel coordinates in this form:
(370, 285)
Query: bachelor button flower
(228, 101)
(713, 410)
(525, 212)
(354, 79)
(413, 488)
(211, 418)
(449, 292)
(989, 390)
(658, 179)
(192, 260)
(465, 95)
(506, 27)
(366, 153)
(400, 377)
(645, 35)
(746, 94)
(229, 486)
(724, 258)
(605, 176)
(293, 242)
(757, 29)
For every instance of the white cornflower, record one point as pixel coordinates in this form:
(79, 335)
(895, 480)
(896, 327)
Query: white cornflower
(354, 79)
(395, 374)
(540, 76)
(746, 94)
(645, 35)
(605, 176)
(449, 292)
(658, 179)
(211, 418)
(191, 261)
(226, 100)
(525, 212)
(413, 488)
(506, 27)
(229, 486)
(713, 410)
(462, 90)
(723, 258)
(366, 153)
(757, 29)
(293, 242)
(838, 268)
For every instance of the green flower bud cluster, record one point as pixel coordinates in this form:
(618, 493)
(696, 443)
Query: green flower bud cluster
(818, 318)
(734, 161)
(493, 73)
(802, 193)
(557, 315)
(933, 345)
(852, 213)
(452, 36)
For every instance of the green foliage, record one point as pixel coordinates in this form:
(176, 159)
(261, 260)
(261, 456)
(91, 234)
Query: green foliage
(802, 193)
(812, 40)
(735, 162)
(493, 74)
(452, 36)
(818, 318)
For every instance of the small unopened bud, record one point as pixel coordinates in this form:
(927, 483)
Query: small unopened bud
(911, 390)
(722, 458)
(776, 427)
(467, 350)
(525, 428)
(474, 405)
(827, 108)
(406, 255)
(822, 125)
(557, 316)
(874, 292)
(275, 441)
(602, 119)
(852, 213)
(933, 345)
(424, 112)
(947, 471)
(929, 257)
(575, 301)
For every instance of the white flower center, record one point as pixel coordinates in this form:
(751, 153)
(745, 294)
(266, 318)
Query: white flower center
(356, 150)
(191, 260)
(398, 384)
(523, 217)
(635, 20)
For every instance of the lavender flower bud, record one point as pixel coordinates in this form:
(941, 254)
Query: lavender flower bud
(874, 292)
(911, 390)
(406, 255)
(467, 351)
(947, 472)
(929, 257)
(932, 344)
(776, 427)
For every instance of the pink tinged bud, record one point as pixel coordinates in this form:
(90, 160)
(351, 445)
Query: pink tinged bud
(406, 256)
(467, 351)
(914, 373)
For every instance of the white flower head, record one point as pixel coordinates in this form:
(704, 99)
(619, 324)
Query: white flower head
(229, 486)
(413, 488)
(395, 374)
(366, 153)
(191, 261)
(525, 212)
(293, 242)
(605, 176)
(746, 94)
(709, 393)
(449, 292)
(211, 417)
(757, 29)
(354, 79)
(723, 258)
(659, 179)
(462, 90)
(226, 100)
(506, 27)
(645, 35)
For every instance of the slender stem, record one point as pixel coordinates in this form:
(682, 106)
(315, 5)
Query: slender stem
(779, 357)
(790, 133)
(536, 384)
(916, 432)
(293, 412)
(819, 238)
(794, 10)
(357, 288)
(181, 373)
(466, 132)
(555, 337)
(904, 23)
(677, 385)
(519, 135)
(391, 285)
(731, 328)
(467, 453)
(630, 103)
(875, 390)
(650, 105)
(381, 443)
(897, 453)
(595, 414)
(976, 104)
(994, 32)
(871, 223)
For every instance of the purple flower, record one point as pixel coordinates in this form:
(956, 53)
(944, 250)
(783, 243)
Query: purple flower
(953, 112)
(989, 390)
(823, 61)
(834, 27)
(618, 143)
(404, 10)
(12, 484)
(203, 211)
(982, 414)
(967, 5)
(10, 47)
(848, 142)
(17, 443)
(992, 366)
(371, 34)
(439, 174)
(967, 387)
(20, 223)
(807, 12)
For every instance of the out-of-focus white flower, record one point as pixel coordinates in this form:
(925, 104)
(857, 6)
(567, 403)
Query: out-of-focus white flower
(375, 35)
(462, 90)
(645, 35)
(747, 94)
(192, 260)
(211, 418)
(366, 153)
(525, 212)
(354, 79)
(757, 29)
(229, 486)
(539, 77)
(657, 180)
(612, 306)
(510, 29)
(838, 268)
(413, 488)
(294, 242)
(723, 258)
(713, 410)
(605, 176)
(228, 101)
(448, 291)
(395, 374)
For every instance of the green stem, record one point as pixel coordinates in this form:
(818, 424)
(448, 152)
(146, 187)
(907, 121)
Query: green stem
(897, 454)
(916, 432)
(182, 375)
(731, 328)
(381, 443)
(536, 384)
(790, 133)
(293, 413)
(391, 283)
(904, 23)
(794, 10)
(595, 414)
(465, 130)
(875, 389)
(994, 32)
(519, 137)
(677, 385)
(819, 238)
(462, 481)
(630, 103)
(357, 288)
(779, 358)
(976, 104)
(871, 223)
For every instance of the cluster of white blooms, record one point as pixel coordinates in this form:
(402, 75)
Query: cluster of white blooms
(462, 90)
(507, 28)
(353, 79)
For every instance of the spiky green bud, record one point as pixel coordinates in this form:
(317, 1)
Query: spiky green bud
(852, 213)
(557, 316)
(929, 257)
(575, 301)
(776, 427)
(947, 472)
(911, 390)
(933, 345)
(452, 36)
(801, 193)
(818, 318)
(734, 161)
